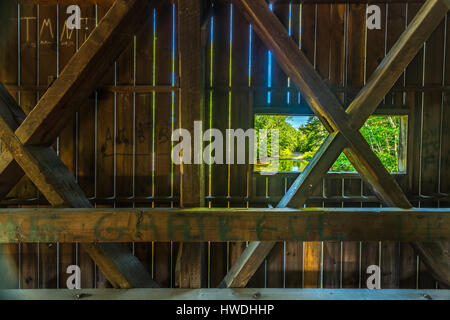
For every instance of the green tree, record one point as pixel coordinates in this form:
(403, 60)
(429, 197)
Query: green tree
(381, 132)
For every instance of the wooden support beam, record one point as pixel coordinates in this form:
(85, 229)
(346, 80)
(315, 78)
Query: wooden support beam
(109, 2)
(40, 162)
(221, 225)
(344, 125)
(190, 265)
(224, 294)
(10, 169)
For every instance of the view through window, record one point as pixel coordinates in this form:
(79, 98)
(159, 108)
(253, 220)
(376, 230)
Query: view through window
(301, 136)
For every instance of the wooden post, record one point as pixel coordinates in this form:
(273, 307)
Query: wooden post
(190, 260)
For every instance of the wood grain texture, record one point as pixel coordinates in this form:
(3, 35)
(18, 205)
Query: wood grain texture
(361, 155)
(58, 185)
(216, 224)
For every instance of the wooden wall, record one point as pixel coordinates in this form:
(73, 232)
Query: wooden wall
(118, 144)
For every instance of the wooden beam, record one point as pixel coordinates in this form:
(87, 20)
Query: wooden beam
(225, 294)
(190, 264)
(41, 163)
(110, 2)
(326, 105)
(11, 171)
(221, 225)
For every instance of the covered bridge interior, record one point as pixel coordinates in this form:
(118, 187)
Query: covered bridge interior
(87, 176)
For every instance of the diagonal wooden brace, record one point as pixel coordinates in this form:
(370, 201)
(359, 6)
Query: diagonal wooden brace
(344, 125)
(27, 142)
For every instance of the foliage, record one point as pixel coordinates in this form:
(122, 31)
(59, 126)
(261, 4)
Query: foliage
(298, 146)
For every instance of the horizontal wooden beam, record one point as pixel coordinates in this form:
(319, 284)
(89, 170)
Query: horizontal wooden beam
(109, 2)
(219, 225)
(224, 294)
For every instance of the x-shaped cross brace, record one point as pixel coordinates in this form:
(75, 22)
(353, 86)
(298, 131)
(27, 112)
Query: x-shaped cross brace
(343, 125)
(27, 139)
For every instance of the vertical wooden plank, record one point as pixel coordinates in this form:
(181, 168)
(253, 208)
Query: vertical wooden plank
(86, 170)
(49, 66)
(431, 122)
(332, 249)
(241, 117)
(68, 45)
(390, 251)
(279, 79)
(277, 183)
(219, 115)
(106, 132)
(407, 267)
(294, 264)
(396, 24)
(192, 260)
(86, 119)
(444, 178)
(9, 253)
(163, 124)
(370, 254)
(312, 251)
(445, 156)
(356, 35)
(294, 250)
(28, 76)
(275, 266)
(375, 52)
(333, 187)
(275, 259)
(106, 143)
(144, 126)
(390, 257)
(413, 77)
(432, 112)
(125, 113)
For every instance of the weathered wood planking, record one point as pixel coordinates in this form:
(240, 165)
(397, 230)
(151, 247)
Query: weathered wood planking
(48, 70)
(86, 149)
(375, 52)
(241, 117)
(218, 115)
(52, 177)
(85, 136)
(164, 255)
(326, 61)
(28, 75)
(66, 254)
(312, 251)
(254, 295)
(10, 253)
(354, 76)
(361, 156)
(191, 256)
(216, 224)
(144, 130)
